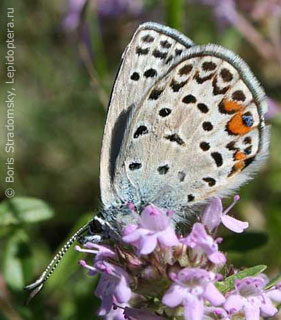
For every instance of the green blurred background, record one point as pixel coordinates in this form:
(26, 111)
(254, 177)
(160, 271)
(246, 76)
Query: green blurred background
(67, 54)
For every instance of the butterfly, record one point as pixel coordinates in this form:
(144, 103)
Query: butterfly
(185, 123)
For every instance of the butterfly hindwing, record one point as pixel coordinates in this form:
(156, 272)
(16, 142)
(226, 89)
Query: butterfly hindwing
(151, 52)
(199, 131)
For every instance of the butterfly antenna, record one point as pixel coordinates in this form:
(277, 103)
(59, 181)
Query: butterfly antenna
(36, 286)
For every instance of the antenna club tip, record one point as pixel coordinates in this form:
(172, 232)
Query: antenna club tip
(236, 197)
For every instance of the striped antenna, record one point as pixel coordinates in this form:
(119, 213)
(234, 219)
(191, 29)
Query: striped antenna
(36, 286)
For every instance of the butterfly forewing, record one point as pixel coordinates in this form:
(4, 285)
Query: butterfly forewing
(197, 132)
(152, 51)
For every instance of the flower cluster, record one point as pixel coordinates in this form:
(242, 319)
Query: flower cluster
(154, 273)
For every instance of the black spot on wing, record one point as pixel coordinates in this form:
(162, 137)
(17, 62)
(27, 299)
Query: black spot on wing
(141, 130)
(135, 76)
(163, 169)
(202, 107)
(178, 52)
(189, 99)
(205, 146)
(217, 90)
(181, 176)
(248, 150)
(211, 181)
(165, 44)
(238, 95)
(150, 73)
(164, 112)
(247, 140)
(218, 158)
(201, 80)
(190, 197)
(231, 146)
(147, 38)
(155, 94)
(185, 69)
(209, 66)
(207, 126)
(176, 86)
(175, 138)
(160, 55)
(142, 51)
(134, 166)
(226, 75)
(248, 161)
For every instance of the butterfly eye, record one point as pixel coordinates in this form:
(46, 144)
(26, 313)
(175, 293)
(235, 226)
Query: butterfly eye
(95, 227)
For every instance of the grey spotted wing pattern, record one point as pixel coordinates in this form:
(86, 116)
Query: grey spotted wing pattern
(152, 51)
(198, 132)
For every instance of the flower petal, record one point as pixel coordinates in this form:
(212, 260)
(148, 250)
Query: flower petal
(234, 303)
(148, 244)
(193, 308)
(134, 236)
(129, 229)
(233, 224)
(168, 237)
(174, 296)
(267, 308)
(154, 218)
(122, 291)
(106, 305)
(217, 257)
(212, 214)
(252, 311)
(274, 295)
(213, 295)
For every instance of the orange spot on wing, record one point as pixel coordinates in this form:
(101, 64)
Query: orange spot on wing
(236, 125)
(240, 155)
(239, 165)
(232, 106)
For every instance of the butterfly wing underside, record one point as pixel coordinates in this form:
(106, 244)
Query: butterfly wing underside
(151, 52)
(192, 128)
(198, 132)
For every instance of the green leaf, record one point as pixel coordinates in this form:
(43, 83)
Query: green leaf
(228, 283)
(17, 262)
(273, 282)
(20, 210)
(244, 241)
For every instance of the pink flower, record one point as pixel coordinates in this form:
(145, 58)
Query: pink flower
(190, 288)
(154, 228)
(273, 109)
(113, 285)
(249, 297)
(201, 242)
(213, 215)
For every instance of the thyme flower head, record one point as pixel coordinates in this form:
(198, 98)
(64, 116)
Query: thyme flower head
(155, 272)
